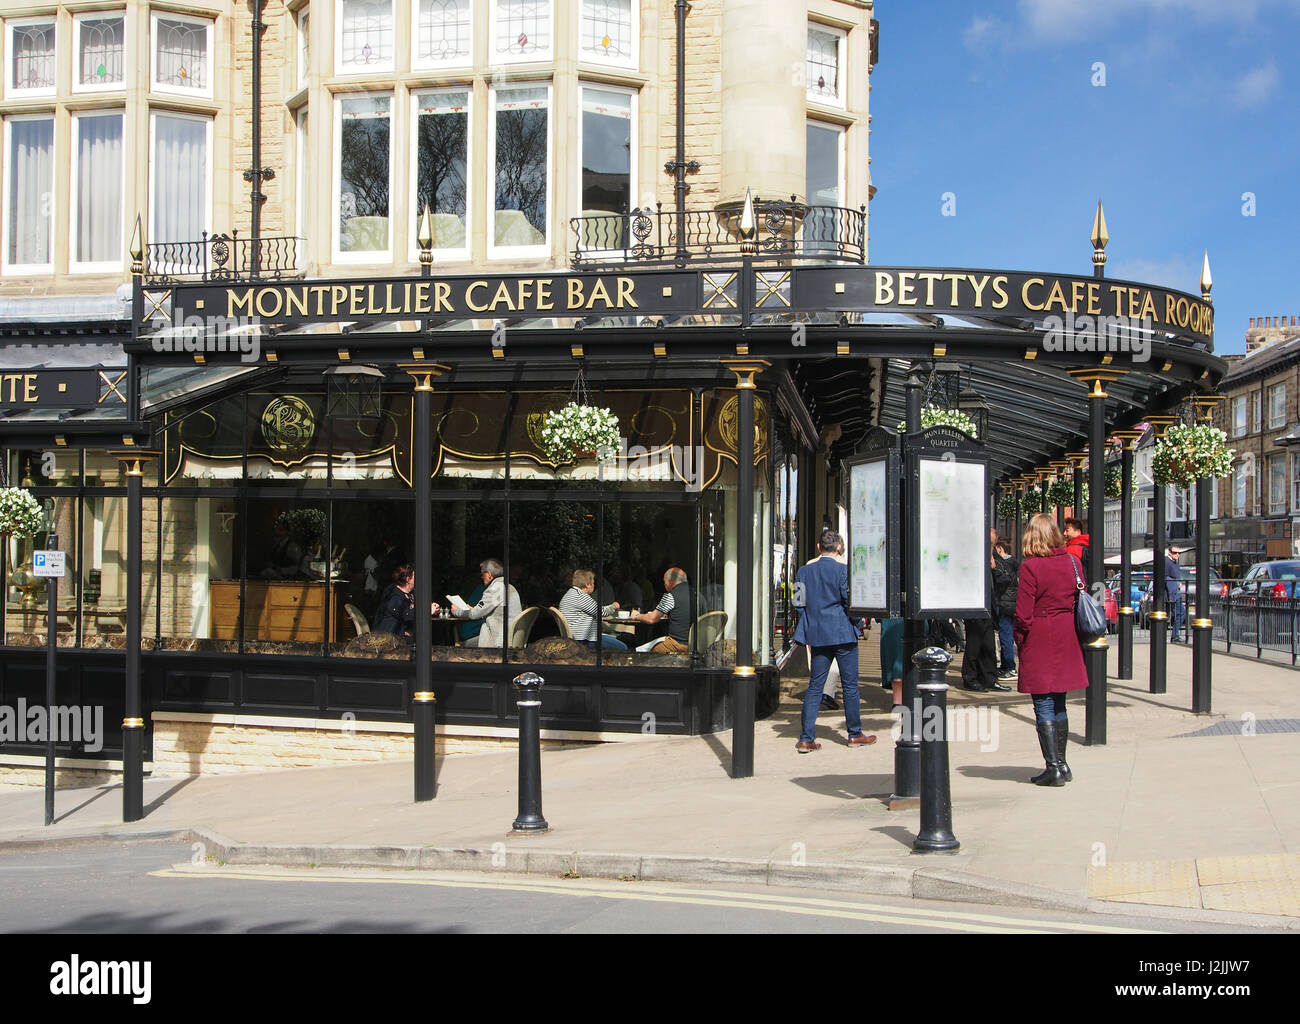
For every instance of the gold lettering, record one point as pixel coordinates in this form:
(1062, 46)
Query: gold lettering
(1094, 300)
(884, 289)
(389, 305)
(1077, 289)
(1025, 300)
(1118, 291)
(1170, 308)
(929, 277)
(1056, 297)
(338, 296)
(29, 388)
(625, 299)
(906, 288)
(372, 306)
(575, 293)
(525, 292)
(955, 280)
(503, 297)
(544, 300)
(295, 300)
(599, 293)
(1000, 290)
(1184, 312)
(469, 297)
(441, 298)
(274, 309)
(421, 297)
(234, 303)
(979, 287)
(406, 297)
(357, 300)
(1133, 307)
(1148, 306)
(12, 380)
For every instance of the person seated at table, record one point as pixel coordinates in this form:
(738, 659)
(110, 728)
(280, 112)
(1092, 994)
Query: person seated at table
(498, 606)
(676, 607)
(582, 612)
(471, 628)
(396, 612)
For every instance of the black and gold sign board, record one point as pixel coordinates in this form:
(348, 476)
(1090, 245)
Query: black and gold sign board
(1040, 298)
(36, 389)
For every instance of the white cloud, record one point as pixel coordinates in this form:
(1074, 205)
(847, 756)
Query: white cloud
(1065, 19)
(980, 31)
(1256, 87)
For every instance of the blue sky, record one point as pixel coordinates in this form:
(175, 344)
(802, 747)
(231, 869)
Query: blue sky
(996, 103)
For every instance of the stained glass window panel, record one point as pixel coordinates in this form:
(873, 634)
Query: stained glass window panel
(523, 29)
(32, 55)
(181, 49)
(442, 35)
(367, 34)
(102, 47)
(606, 33)
(823, 65)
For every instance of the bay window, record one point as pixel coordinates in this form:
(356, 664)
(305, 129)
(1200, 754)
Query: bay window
(97, 195)
(362, 175)
(521, 31)
(304, 47)
(608, 32)
(29, 193)
(101, 52)
(441, 171)
(519, 152)
(608, 157)
(30, 56)
(182, 55)
(303, 177)
(363, 36)
(442, 34)
(1277, 485)
(180, 181)
(824, 177)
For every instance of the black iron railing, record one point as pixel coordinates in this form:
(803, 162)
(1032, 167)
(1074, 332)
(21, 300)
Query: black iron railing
(223, 258)
(784, 231)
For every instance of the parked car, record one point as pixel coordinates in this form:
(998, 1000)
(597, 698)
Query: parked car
(1218, 589)
(1269, 581)
(1139, 580)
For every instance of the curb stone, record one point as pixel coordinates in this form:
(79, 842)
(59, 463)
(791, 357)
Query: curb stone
(868, 880)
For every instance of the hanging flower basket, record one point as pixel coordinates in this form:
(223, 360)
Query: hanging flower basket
(577, 430)
(21, 514)
(1060, 494)
(1032, 501)
(933, 416)
(1188, 454)
(1007, 506)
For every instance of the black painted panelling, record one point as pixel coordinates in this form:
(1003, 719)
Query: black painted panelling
(468, 697)
(667, 706)
(358, 693)
(199, 688)
(560, 703)
(279, 690)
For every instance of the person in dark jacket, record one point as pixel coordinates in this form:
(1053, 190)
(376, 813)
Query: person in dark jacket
(1051, 657)
(1174, 597)
(979, 663)
(1006, 584)
(396, 612)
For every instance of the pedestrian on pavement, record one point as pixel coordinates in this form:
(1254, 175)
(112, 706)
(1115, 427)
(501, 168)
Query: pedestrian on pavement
(1006, 584)
(891, 659)
(1076, 540)
(1051, 657)
(1174, 594)
(833, 677)
(979, 663)
(822, 595)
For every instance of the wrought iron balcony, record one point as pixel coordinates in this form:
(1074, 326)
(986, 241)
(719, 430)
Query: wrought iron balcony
(786, 231)
(223, 258)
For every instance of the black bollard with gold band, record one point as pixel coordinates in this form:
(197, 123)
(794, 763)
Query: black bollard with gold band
(423, 702)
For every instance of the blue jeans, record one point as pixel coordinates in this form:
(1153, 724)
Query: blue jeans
(846, 657)
(1007, 638)
(1049, 707)
(607, 643)
(1178, 617)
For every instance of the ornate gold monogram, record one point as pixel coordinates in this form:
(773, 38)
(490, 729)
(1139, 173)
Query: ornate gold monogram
(288, 425)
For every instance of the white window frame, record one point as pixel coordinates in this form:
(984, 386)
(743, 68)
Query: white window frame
(14, 91)
(1257, 412)
(1274, 422)
(841, 53)
(841, 157)
(302, 125)
(207, 120)
(1277, 503)
(634, 184)
(424, 64)
(413, 249)
(495, 58)
(75, 266)
(371, 256)
(77, 21)
(494, 251)
(635, 25)
(26, 268)
(1240, 490)
(302, 34)
(1295, 482)
(341, 70)
(1242, 421)
(211, 43)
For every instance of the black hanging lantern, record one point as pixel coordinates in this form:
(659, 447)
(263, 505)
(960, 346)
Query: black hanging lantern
(972, 403)
(355, 392)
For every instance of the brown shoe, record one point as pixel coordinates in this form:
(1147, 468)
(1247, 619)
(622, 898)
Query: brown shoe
(807, 748)
(861, 740)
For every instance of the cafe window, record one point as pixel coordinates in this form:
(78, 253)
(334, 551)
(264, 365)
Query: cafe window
(31, 56)
(521, 30)
(29, 194)
(608, 158)
(441, 172)
(101, 50)
(97, 192)
(363, 36)
(443, 33)
(824, 64)
(1277, 406)
(607, 32)
(519, 151)
(182, 55)
(362, 177)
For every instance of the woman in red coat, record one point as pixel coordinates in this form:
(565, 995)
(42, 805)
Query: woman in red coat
(1051, 658)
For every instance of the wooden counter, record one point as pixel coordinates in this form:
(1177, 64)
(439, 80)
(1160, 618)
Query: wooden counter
(283, 610)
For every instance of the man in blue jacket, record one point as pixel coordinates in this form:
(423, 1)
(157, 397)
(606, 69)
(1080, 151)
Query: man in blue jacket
(1174, 594)
(822, 597)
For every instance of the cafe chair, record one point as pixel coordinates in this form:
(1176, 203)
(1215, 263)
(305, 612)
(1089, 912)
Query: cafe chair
(561, 623)
(522, 626)
(710, 628)
(358, 620)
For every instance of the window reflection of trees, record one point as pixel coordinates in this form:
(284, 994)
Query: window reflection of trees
(521, 164)
(442, 148)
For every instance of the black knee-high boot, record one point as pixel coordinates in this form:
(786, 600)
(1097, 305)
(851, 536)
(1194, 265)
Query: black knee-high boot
(1051, 775)
(1062, 738)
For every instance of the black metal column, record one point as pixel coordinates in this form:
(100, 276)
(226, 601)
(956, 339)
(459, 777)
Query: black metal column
(132, 719)
(1202, 626)
(423, 702)
(51, 674)
(1095, 653)
(529, 820)
(1078, 488)
(1126, 558)
(1159, 614)
(907, 748)
(936, 835)
(1018, 526)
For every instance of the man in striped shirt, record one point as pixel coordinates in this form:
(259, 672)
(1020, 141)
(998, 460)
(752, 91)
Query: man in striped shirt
(582, 612)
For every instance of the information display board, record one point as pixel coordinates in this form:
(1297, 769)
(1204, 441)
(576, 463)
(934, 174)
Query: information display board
(873, 541)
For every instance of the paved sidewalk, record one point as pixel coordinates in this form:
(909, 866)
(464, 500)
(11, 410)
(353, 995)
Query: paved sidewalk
(1177, 810)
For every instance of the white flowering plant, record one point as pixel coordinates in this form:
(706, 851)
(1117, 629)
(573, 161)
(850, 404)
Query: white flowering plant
(1188, 454)
(575, 429)
(1060, 494)
(1007, 506)
(1032, 501)
(933, 416)
(21, 514)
